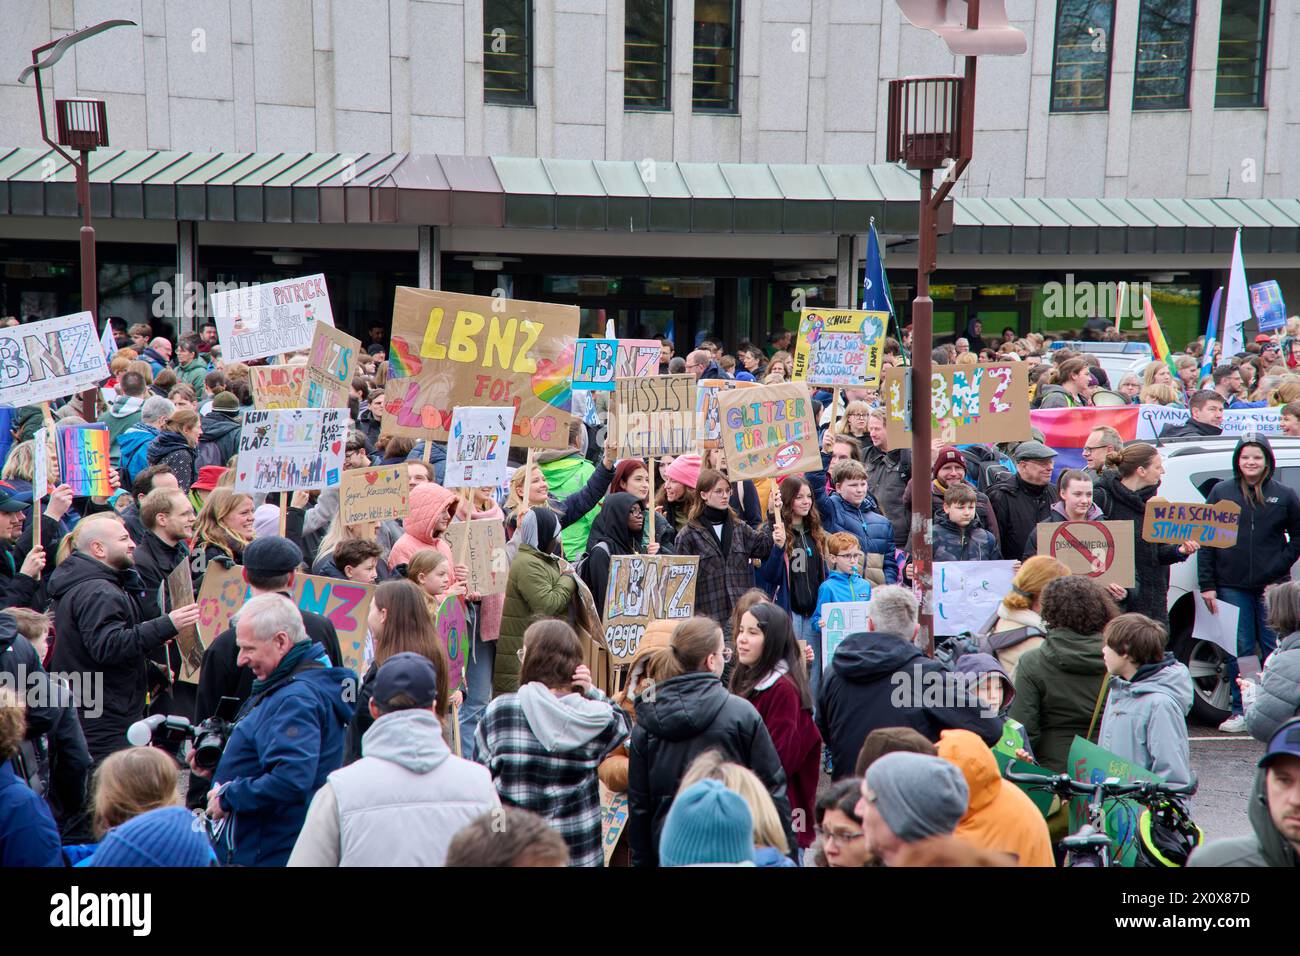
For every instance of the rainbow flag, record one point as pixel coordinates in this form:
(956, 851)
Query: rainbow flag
(1157, 336)
(1066, 430)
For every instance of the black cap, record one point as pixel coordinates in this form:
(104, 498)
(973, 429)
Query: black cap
(9, 500)
(406, 673)
(270, 556)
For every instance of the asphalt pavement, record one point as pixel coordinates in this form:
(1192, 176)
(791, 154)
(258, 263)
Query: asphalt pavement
(1224, 765)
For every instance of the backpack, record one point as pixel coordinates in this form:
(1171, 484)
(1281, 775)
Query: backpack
(582, 570)
(208, 453)
(983, 466)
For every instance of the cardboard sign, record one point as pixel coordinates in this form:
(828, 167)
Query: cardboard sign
(1152, 420)
(345, 603)
(449, 349)
(591, 632)
(613, 819)
(270, 319)
(1102, 550)
(768, 431)
(1173, 522)
(485, 556)
(277, 386)
(1267, 304)
(367, 495)
(967, 593)
(292, 449)
(84, 459)
(452, 622)
(839, 620)
(180, 593)
(644, 588)
(478, 446)
(708, 420)
(969, 404)
(330, 364)
(42, 361)
(41, 463)
(637, 358)
(593, 365)
(840, 347)
(1092, 764)
(654, 416)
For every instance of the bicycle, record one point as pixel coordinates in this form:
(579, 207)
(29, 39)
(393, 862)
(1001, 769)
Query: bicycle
(1091, 845)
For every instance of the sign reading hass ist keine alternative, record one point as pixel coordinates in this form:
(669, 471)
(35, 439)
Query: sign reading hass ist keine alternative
(41, 361)
(654, 416)
(840, 347)
(969, 404)
(291, 449)
(768, 431)
(271, 318)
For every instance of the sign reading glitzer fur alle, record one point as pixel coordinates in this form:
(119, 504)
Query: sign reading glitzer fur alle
(969, 404)
(768, 431)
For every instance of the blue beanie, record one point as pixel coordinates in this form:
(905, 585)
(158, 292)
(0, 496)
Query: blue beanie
(168, 836)
(707, 824)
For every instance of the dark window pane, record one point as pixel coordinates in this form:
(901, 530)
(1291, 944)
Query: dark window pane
(1164, 55)
(717, 24)
(647, 26)
(1243, 42)
(508, 52)
(1081, 59)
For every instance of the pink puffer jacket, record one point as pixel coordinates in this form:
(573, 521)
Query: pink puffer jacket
(427, 502)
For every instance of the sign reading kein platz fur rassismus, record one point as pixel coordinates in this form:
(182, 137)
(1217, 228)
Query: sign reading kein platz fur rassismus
(839, 347)
(449, 349)
(654, 416)
(644, 588)
(768, 431)
(969, 404)
(293, 449)
(1173, 522)
(271, 318)
(42, 361)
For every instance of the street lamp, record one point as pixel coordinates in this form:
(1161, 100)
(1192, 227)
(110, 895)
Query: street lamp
(80, 125)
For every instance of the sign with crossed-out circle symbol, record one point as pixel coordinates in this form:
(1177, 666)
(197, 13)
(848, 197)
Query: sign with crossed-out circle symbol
(1101, 550)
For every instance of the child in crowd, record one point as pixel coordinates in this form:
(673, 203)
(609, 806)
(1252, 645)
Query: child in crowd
(845, 582)
(851, 509)
(956, 536)
(358, 560)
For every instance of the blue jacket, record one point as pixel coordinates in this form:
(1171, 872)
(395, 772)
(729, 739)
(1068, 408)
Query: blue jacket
(287, 741)
(134, 444)
(28, 836)
(873, 530)
(437, 458)
(839, 588)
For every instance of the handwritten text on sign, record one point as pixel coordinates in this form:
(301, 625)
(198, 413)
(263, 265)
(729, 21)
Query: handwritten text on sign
(655, 416)
(768, 431)
(269, 319)
(367, 495)
(840, 348)
(969, 404)
(291, 449)
(642, 589)
(41, 361)
(593, 365)
(330, 363)
(478, 446)
(84, 461)
(708, 420)
(1173, 522)
(1101, 550)
(966, 593)
(839, 620)
(277, 386)
(484, 555)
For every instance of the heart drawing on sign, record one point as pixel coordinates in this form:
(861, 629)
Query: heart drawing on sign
(372, 477)
(335, 447)
(243, 475)
(551, 382)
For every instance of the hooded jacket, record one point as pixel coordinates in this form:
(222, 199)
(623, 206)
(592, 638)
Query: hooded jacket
(171, 449)
(883, 680)
(983, 510)
(399, 805)
(840, 588)
(609, 536)
(1018, 507)
(1279, 690)
(687, 715)
(1000, 816)
(193, 372)
(220, 429)
(536, 588)
(1010, 633)
(1265, 847)
(797, 742)
(1057, 686)
(971, 543)
(134, 447)
(1268, 535)
(1145, 720)
(428, 502)
(975, 666)
(28, 836)
(1150, 594)
(287, 741)
(124, 414)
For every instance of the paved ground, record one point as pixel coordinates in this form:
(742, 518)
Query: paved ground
(1224, 765)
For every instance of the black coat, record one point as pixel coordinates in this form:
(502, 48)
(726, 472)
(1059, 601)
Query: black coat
(102, 627)
(1190, 428)
(1150, 593)
(223, 431)
(688, 715)
(171, 449)
(1018, 507)
(879, 680)
(155, 560)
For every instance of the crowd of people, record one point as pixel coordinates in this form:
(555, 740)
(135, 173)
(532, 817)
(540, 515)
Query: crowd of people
(728, 740)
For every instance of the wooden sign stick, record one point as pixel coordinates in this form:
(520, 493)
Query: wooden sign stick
(39, 493)
(650, 506)
(284, 512)
(835, 408)
(526, 497)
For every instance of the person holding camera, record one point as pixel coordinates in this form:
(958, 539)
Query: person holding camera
(287, 739)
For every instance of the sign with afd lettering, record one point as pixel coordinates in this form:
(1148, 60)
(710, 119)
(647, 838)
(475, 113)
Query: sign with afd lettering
(449, 349)
(839, 620)
(1173, 522)
(969, 404)
(644, 588)
(1101, 550)
(840, 347)
(654, 416)
(768, 431)
(42, 361)
(270, 319)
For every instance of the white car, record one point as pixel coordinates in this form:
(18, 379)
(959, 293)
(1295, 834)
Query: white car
(1192, 467)
(1117, 359)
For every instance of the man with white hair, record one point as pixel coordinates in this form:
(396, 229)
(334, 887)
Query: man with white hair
(158, 354)
(880, 678)
(287, 739)
(135, 441)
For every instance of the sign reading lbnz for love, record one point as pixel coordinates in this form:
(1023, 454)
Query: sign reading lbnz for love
(292, 449)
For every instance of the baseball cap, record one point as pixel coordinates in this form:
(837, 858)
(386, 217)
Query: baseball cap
(406, 673)
(1286, 742)
(271, 556)
(9, 498)
(1032, 451)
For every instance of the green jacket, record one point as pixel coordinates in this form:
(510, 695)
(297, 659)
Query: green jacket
(1265, 847)
(1057, 684)
(193, 373)
(564, 476)
(124, 414)
(536, 588)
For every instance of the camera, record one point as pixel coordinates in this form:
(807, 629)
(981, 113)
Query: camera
(170, 732)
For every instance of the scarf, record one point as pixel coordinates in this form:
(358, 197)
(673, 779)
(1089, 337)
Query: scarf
(297, 654)
(538, 528)
(710, 517)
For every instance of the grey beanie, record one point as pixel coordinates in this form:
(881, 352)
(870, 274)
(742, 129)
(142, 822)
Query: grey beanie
(919, 796)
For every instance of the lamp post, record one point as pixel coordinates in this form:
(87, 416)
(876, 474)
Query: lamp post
(932, 119)
(81, 125)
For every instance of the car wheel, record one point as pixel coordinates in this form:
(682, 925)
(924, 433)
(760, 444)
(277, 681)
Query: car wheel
(1208, 664)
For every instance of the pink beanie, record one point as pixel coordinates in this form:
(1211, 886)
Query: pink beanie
(684, 469)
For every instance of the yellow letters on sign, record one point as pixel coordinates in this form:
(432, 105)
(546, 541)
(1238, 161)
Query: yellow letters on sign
(499, 347)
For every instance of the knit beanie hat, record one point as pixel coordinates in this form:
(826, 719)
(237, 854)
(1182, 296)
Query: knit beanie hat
(947, 455)
(168, 836)
(684, 469)
(707, 825)
(266, 520)
(919, 796)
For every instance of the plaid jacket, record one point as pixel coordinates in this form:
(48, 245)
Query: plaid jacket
(560, 786)
(723, 579)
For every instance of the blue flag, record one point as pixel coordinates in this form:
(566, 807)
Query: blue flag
(875, 285)
(1207, 361)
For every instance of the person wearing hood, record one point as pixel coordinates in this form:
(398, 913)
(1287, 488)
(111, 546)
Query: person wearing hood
(616, 531)
(287, 739)
(880, 678)
(1278, 699)
(948, 468)
(1059, 684)
(134, 443)
(431, 509)
(1206, 417)
(124, 413)
(542, 745)
(999, 816)
(567, 474)
(632, 475)
(1017, 625)
(220, 437)
(1022, 500)
(1071, 387)
(1268, 543)
(1076, 504)
(688, 713)
(1145, 720)
(403, 801)
(176, 446)
(541, 584)
(1273, 811)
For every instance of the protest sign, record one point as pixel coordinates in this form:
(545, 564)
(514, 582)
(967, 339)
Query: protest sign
(644, 588)
(291, 449)
(1267, 304)
(484, 555)
(41, 463)
(84, 460)
(637, 358)
(270, 319)
(180, 593)
(967, 593)
(1004, 752)
(478, 446)
(839, 620)
(613, 819)
(768, 431)
(969, 404)
(708, 421)
(1089, 763)
(277, 386)
(454, 634)
(593, 365)
(1173, 522)
(841, 347)
(330, 363)
(591, 632)
(1217, 627)
(1152, 420)
(1101, 550)
(654, 416)
(345, 603)
(449, 349)
(108, 342)
(367, 495)
(40, 361)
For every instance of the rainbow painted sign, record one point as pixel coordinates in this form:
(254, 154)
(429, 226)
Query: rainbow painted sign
(84, 460)
(453, 632)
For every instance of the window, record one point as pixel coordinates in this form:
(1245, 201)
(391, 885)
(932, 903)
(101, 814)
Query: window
(508, 52)
(1164, 55)
(647, 25)
(717, 24)
(1243, 42)
(1081, 59)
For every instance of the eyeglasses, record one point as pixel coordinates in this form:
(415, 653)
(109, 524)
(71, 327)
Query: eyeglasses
(1095, 447)
(842, 837)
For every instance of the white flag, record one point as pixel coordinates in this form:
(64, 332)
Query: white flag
(1236, 309)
